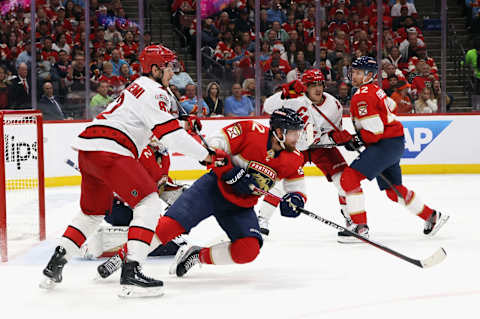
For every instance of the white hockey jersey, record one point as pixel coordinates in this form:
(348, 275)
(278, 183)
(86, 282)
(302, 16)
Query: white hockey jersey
(139, 114)
(314, 121)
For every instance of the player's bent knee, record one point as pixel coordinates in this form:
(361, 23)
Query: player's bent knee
(350, 179)
(245, 250)
(168, 228)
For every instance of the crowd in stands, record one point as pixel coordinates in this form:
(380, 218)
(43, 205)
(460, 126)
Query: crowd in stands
(288, 47)
(60, 56)
(287, 28)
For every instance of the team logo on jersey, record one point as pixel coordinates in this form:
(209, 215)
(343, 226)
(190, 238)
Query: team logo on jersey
(420, 134)
(362, 108)
(264, 175)
(234, 131)
(381, 94)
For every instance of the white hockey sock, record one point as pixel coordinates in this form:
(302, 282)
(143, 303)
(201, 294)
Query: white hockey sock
(81, 227)
(269, 204)
(220, 254)
(142, 227)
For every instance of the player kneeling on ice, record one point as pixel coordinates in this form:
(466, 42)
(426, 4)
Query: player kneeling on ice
(315, 107)
(249, 155)
(108, 152)
(382, 136)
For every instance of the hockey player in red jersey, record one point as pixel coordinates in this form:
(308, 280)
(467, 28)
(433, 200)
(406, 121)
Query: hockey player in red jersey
(253, 155)
(108, 150)
(383, 138)
(315, 143)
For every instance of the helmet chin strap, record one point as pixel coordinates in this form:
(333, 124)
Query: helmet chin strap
(369, 81)
(281, 141)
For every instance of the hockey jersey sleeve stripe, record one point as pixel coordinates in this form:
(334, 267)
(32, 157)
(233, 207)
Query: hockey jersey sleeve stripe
(160, 130)
(140, 234)
(75, 235)
(373, 124)
(110, 133)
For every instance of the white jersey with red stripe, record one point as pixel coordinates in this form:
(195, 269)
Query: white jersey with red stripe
(139, 114)
(310, 114)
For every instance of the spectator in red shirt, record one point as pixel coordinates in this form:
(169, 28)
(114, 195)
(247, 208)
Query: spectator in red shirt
(61, 18)
(425, 78)
(48, 53)
(129, 47)
(422, 56)
(289, 25)
(282, 64)
(339, 23)
(112, 80)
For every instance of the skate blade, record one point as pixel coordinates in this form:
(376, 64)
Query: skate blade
(47, 284)
(349, 240)
(439, 225)
(129, 291)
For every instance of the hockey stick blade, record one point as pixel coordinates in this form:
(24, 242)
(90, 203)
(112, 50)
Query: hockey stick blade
(433, 260)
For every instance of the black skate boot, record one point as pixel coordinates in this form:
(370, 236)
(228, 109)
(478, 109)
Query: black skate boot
(135, 284)
(434, 223)
(53, 271)
(110, 266)
(186, 258)
(361, 229)
(264, 225)
(348, 223)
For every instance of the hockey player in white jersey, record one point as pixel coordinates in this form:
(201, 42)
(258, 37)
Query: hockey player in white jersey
(315, 143)
(108, 150)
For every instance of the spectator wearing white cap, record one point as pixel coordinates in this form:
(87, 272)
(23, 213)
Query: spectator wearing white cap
(412, 11)
(408, 47)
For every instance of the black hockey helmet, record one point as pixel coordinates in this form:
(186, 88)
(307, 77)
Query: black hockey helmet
(286, 119)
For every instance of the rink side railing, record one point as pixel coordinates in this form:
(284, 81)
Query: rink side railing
(435, 144)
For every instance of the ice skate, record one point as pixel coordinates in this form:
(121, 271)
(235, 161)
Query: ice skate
(264, 225)
(134, 284)
(346, 238)
(348, 223)
(53, 271)
(110, 266)
(434, 223)
(186, 257)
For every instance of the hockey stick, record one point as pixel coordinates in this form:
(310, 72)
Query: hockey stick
(431, 261)
(211, 151)
(385, 179)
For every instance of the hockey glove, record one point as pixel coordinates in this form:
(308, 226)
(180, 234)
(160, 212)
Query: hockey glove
(221, 163)
(240, 181)
(340, 137)
(354, 144)
(293, 89)
(289, 204)
(192, 121)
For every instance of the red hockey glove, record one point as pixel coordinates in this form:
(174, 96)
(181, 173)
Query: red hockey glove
(368, 137)
(293, 89)
(221, 163)
(193, 122)
(340, 137)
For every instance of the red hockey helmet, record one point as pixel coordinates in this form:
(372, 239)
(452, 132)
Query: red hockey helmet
(156, 55)
(313, 76)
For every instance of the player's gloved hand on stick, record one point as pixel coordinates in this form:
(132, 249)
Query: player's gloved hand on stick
(240, 180)
(293, 89)
(354, 144)
(368, 137)
(193, 122)
(340, 137)
(221, 162)
(289, 204)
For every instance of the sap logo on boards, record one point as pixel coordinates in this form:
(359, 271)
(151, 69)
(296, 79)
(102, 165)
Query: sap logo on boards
(420, 134)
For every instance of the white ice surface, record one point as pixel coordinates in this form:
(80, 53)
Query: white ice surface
(302, 272)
